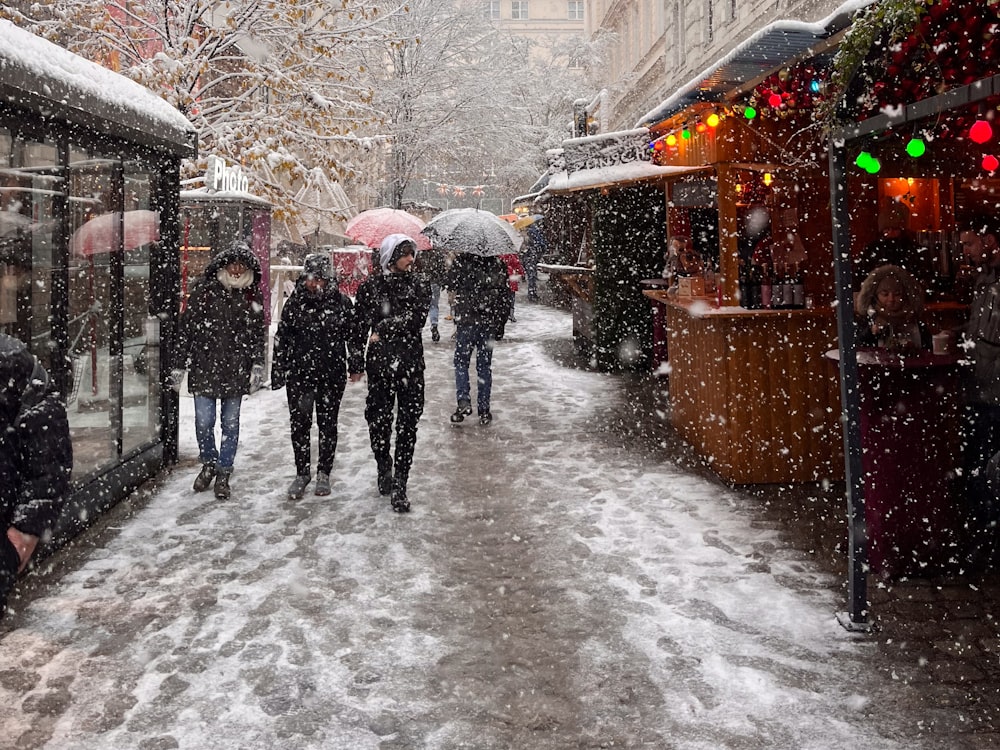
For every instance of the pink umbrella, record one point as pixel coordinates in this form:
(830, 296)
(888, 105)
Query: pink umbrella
(100, 234)
(375, 224)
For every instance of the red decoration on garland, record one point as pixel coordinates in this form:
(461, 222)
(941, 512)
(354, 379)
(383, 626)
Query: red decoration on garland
(980, 131)
(990, 163)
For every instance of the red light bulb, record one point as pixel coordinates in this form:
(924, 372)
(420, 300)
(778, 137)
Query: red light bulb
(990, 163)
(980, 131)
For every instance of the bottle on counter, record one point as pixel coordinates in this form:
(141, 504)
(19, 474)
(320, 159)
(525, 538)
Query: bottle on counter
(798, 288)
(743, 284)
(788, 288)
(766, 288)
(755, 287)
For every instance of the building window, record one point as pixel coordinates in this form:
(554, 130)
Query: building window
(494, 10)
(575, 10)
(519, 10)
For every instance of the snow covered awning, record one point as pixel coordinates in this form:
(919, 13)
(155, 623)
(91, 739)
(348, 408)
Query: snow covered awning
(771, 47)
(39, 74)
(619, 174)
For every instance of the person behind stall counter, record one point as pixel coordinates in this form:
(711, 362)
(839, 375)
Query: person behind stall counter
(888, 308)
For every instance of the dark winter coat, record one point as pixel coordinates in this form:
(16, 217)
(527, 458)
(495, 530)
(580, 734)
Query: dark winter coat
(222, 334)
(481, 291)
(394, 306)
(319, 336)
(36, 456)
(432, 263)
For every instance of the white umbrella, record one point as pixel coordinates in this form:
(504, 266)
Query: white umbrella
(469, 230)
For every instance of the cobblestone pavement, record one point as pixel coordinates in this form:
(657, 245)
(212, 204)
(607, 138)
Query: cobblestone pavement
(571, 577)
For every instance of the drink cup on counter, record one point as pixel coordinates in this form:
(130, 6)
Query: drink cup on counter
(941, 342)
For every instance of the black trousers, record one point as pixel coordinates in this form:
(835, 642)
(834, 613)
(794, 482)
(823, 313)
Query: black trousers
(398, 388)
(323, 397)
(9, 563)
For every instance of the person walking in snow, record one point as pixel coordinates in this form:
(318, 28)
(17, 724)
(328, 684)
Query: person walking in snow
(318, 342)
(515, 272)
(393, 308)
(532, 252)
(433, 264)
(36, 458)
(221, 344)
(481, 304)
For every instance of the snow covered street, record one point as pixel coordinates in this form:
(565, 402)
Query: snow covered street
(550, 589)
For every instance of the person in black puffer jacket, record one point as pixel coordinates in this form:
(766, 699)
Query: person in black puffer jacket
(221, 343)
(393, 308)
(36, 458)
(318, 341)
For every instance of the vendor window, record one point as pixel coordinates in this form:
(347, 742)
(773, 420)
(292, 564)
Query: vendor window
(575, 10)
(519, 10)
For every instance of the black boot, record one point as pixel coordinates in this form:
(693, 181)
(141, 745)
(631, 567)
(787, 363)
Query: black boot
(204, 479)
(400, 503)
(385, 478)
(222, 483)
(464, 409)
(485, 418)
(435, 334)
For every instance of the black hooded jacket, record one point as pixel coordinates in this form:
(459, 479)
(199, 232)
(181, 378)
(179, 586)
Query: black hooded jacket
(481, 290)
(36, 456)
(222, 334)
(395, 306)
(319, 336)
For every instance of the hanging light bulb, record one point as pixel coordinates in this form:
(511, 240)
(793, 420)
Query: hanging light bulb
(990, 163)
(749, 112)
(686, 133)
(864, 160)
(700, 126)
(712, 120)
(768, 178)
(671, 140)
(916, 147)
(981, 131)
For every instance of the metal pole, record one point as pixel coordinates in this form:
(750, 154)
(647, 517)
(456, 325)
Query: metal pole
(856, 618)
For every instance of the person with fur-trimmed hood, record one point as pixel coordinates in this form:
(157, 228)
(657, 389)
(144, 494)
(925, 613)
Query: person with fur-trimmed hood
(36, 458)
(221, 344)
(393, 308)
(318, 342)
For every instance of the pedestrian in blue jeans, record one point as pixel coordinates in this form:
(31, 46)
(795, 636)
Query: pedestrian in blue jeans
(480, 309)
(220, 343)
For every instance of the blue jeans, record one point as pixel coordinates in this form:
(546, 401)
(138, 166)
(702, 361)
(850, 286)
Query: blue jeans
(435, 299)
(480, 336)
(204, 430)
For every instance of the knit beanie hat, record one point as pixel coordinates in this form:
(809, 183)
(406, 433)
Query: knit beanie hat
(318, 266)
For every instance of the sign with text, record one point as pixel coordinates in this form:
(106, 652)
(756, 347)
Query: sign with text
(221, 177)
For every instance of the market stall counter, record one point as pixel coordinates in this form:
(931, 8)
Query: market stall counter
(576, 282)
(750, 392)
(910, 427)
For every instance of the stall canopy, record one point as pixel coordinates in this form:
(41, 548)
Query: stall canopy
(323, 206)
(85, 93)
(777, 44)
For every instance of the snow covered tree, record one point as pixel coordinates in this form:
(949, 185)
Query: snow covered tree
(266, 84)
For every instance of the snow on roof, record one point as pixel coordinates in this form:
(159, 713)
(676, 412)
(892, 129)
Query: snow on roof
(204, 194)
(764, 50)
(561, 182)
(34, 71)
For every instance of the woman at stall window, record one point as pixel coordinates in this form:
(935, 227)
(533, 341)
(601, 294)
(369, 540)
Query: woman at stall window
(888, 308)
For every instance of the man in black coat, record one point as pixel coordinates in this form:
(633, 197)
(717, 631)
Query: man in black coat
(36, 458)
(221, 345)
(481, 307)
(319, 339)
(393, 308)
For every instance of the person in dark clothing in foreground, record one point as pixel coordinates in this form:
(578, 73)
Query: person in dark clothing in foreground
(393, 308)
(221, 344)
(481, 309)
(36, 458)
(318, 341)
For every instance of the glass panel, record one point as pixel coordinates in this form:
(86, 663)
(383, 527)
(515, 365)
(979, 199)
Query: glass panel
(141, 346)
(93, 398)
(29, 185)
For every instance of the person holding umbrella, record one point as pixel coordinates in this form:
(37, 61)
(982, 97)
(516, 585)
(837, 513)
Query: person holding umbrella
(392, 308)
(318, 342)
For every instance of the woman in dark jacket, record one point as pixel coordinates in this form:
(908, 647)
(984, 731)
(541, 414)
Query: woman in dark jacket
(393, 308)
(221, 345)
(318, 341)
(36, 458)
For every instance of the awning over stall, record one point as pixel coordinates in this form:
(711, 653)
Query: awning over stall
(619, 174)
(777, 44)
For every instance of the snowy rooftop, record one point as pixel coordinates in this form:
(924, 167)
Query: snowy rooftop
(38, 73)
(766, 49)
